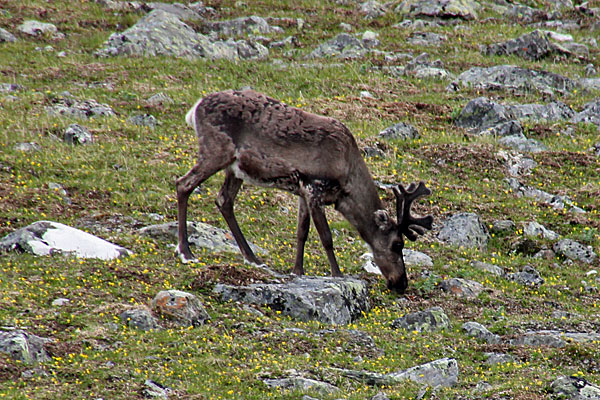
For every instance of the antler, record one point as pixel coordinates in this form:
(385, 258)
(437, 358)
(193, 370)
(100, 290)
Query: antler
(411, 226)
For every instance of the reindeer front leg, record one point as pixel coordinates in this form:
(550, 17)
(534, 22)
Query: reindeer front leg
(318, 216)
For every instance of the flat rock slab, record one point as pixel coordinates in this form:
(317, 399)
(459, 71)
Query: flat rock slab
(442, 372)
(429, 320)
(200, 235)
(47, 237)
(329, 300)
(301, 383)
(464, 230)
(183, 308)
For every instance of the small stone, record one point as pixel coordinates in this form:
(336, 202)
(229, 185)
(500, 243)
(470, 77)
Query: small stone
(60, 302)
(529, 276)
(401, 130)
(139, 318)
(498, 358)
(535, 229)
(575, 388)
(429, 320)
(480, 332)
(155, 390)
(143, 120)
(463, 288)
(77, 134)
(575, 251)
(27, 147)
(183, 308)
(503, 226)
(464, 230)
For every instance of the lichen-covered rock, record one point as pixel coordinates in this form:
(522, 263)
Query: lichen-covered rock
(487, 267)
(466, 230)
(521, 143)
(575, 388)
(253, 25)
(183, 308)
(36, 28)
(482, 113)
(590, 113)
(465, 9)
(301, 383)
(536, 229)
(140, 318)
(478, 331)
(343, 45)
(69, 106)
(23, 346)
(77, 134)
(330, 300)
(510, 77)
(575, 251)
(429, 320)
(401, 130)
(48, 237)
(531, 46)
(162, 33)
(463, 288)
(529, 276)
(442, 372)
(200, 235)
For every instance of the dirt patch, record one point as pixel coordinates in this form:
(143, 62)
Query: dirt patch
(228, 274)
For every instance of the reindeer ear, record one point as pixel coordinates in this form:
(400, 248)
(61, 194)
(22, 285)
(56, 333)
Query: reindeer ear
(383, 220)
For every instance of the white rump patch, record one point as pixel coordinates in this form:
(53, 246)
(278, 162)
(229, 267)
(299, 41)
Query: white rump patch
(190, 117)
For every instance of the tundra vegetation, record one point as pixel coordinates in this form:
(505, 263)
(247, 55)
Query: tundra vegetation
(92, 135)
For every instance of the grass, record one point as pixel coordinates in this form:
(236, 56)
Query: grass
(129, 173)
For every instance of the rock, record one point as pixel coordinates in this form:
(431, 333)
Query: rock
(555, 201)
(329, 300)
(10, 87)
(575, 388)
(302, 384)
(401, 130)
(482, 113)
(491, 268)
(37, 29)
(372, 9)
(589, 115)
(70, 107)
(253, 25)
(552, 112)
(525, 14)
(517, 163)
(443, 9)
(531, 46)
(159, 99)
(529, 276)
(442, 372)
(538, 230)
(429, 320)
(200, 235)
(422, 67)
(139, 318)
(183, 308)
(143, 120)
(163, 33)
(426, 39)
(343, 45)
(498, 358)
(27, 147)
(380, 396)
(539, 338)
(575, 251)
(49, 238)
(60, 302)
(77, 134)
(23, 346)
(463, 288)
(413, 258)
(521, 143)
(590, 83)
(478, 331)
(6, 36)
(464, 229)
(510, 77)
(155, 390)
(181, 11)
(503, 226)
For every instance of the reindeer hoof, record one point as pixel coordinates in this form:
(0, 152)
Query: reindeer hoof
(185, 259)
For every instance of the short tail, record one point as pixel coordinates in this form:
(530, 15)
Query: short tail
(190, 117)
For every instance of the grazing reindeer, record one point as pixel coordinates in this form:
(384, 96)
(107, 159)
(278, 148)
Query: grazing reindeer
(260, 140)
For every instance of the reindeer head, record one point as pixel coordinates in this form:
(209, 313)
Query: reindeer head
(389, 240)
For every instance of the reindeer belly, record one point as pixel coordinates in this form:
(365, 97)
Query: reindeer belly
(260, 170)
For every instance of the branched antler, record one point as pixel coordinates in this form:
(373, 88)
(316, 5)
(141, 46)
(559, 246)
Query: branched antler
(408, 225)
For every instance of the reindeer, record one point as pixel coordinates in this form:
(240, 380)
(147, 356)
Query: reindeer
(259, 140)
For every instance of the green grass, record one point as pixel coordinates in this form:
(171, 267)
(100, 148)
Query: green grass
(130, 171)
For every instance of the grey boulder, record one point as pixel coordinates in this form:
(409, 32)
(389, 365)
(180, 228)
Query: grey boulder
(329, 300)
(464, 230)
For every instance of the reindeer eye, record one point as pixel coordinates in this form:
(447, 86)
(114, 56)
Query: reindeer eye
(397, 247)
